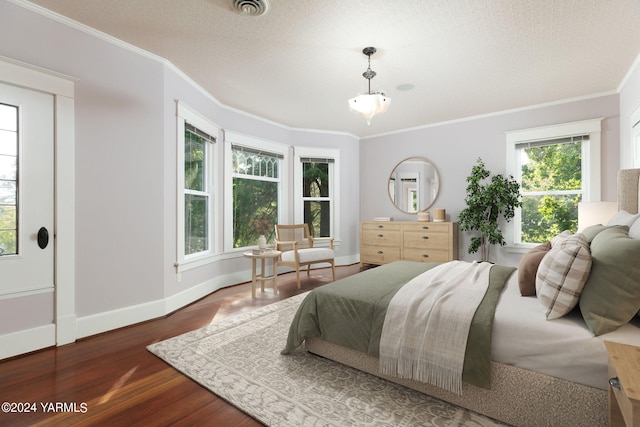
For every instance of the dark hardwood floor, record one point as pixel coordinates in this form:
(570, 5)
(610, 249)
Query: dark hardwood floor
(112, 380)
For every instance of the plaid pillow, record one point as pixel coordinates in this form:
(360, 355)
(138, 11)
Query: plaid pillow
(562, 274)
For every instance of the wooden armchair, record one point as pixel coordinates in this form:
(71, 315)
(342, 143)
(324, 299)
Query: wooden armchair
(296, 245)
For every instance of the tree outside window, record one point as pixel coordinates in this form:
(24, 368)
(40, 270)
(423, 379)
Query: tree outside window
(256, 188)
(551, 185)
(316, 196)
(196, 190)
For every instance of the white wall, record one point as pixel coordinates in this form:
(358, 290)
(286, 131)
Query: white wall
(126, 176)
(454, 148)
(629, 102)
(125, 164)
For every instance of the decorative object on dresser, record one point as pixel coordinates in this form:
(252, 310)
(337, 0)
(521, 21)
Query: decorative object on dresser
(384, 242)
(487, 200)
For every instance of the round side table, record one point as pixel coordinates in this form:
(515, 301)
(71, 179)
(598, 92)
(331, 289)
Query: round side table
(255, 277)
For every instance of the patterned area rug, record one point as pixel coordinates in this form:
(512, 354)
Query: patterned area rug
(238, 358)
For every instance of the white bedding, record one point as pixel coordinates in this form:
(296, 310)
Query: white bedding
(563, 348)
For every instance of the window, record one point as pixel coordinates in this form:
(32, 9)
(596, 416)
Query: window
(551, 187)
(635, 138)
(8, 180)
(316, 197)
(197, 190)
(258, 175)
(557, 167)
(316, 190)
(196, 167)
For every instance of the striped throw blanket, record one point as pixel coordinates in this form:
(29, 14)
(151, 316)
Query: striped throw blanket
(426, 327)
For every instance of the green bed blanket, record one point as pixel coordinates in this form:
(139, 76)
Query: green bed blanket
(350, 312)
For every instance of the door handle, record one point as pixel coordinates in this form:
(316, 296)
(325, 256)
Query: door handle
(43, 237)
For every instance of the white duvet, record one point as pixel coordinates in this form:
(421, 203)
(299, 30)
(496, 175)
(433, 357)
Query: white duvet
(563, 348)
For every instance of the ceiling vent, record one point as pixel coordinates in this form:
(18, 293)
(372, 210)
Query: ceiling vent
(251, 7)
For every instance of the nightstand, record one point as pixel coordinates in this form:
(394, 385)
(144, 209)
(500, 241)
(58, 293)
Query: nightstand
(624, 384)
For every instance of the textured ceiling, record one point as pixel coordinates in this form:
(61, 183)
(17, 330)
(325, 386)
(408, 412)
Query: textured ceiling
(299, 63)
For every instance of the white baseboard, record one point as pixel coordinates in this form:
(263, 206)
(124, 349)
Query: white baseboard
(20, 342)
(114, 319)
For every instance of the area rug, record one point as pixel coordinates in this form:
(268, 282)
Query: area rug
(238, 358)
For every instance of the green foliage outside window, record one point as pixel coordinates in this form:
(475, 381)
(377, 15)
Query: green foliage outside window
(315, 185)
(255, 211)
(256, 185)
(556, 170)
(196, 201)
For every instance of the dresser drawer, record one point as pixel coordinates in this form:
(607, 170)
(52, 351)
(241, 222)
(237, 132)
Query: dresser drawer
(387, 226)
(426, 239)
(432, 227)
(380, 237)
(426, 255)
(379, 255)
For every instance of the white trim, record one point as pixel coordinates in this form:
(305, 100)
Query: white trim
(63, 88)
(334, 191)
(266, 145)
(29, 76)
(27, 340)
(634, 142)
(627, 76)
(591, 161)
(126, 316)
(186, 114)
(495, 114)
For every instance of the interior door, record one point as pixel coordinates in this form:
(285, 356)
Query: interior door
(26, 197)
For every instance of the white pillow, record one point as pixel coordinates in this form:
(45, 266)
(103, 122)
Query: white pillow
(562, 274)
(634, 230)
(623, 218)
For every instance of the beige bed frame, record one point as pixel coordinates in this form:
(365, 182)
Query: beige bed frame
(518, 396)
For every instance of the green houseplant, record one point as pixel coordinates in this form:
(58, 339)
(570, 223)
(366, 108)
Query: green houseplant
(488, 198)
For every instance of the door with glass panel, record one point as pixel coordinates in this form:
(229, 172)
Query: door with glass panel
(26, 204)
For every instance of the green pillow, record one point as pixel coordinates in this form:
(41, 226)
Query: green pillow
(593, 230)
(611, 296)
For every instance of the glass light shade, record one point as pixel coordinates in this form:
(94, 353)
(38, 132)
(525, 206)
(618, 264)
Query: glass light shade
(368, 105)
(592, 213)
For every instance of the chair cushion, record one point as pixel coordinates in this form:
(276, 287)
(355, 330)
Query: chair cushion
(308, 255)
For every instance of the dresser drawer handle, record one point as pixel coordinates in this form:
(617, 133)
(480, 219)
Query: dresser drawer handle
(380, 235)
(381, 226)
(380, 252)
(614, 382)
(425, 237)
(425, 227)
(425, 255)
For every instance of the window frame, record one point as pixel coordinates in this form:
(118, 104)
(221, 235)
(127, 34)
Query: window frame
(635, 137)
(188, 115)
(334, 184)
(235, 138)
(591, 165)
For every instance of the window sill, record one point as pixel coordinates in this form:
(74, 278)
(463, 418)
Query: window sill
(519, 248)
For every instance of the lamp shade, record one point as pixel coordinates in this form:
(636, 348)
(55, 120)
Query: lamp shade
(368, 105)
(592, 213)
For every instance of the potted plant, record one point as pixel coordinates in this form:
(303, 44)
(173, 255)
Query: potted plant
(487, 200)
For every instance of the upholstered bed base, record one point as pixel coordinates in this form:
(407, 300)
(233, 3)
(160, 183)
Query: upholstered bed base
(518, 397)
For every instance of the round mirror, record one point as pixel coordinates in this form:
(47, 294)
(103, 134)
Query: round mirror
(414, 184)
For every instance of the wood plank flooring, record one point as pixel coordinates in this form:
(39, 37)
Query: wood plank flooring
(112, 380)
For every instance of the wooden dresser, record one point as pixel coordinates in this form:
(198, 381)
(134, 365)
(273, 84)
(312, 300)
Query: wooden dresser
(386, 241)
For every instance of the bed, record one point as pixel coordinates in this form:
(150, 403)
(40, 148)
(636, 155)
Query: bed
(545, 369)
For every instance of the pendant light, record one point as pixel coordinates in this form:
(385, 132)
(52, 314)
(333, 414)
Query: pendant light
(371, 103)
